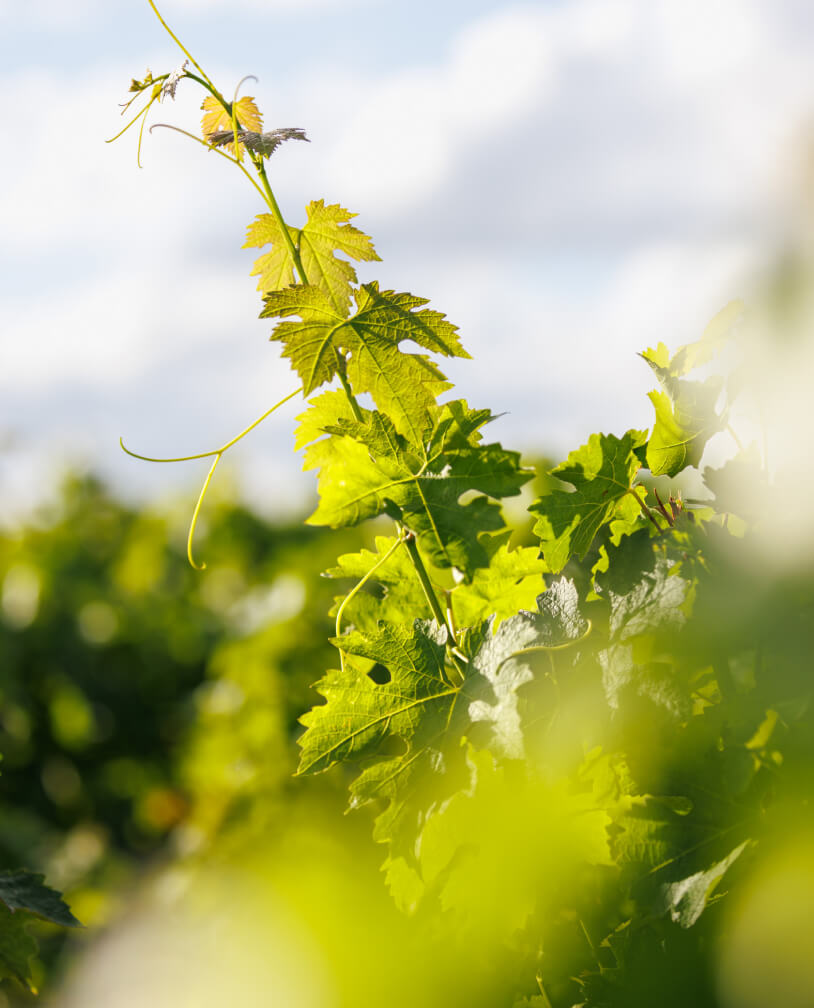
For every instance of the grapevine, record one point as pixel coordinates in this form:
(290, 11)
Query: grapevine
(568, 729)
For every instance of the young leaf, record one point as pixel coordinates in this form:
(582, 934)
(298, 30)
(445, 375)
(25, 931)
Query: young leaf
(216, 118)
(685, 410)
(692, 355)
(264, 144)
(326, 232)
(275, 269)
(405, 386)
(602, 473)
(685, 421)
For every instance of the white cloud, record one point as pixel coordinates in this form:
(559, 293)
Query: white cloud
(57, 14)
(634, 142)
(408, 131)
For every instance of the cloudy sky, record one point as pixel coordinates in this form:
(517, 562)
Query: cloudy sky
(569, 181)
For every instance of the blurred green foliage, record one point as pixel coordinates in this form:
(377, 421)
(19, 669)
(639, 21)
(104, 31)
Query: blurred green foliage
(140, 700)
(149, 715)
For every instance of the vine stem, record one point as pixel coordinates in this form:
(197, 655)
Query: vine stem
(426, 584)
(294, 252)
(543, 994)
(645, 509)
(343, 378)
(274, 206)
(264, 189)
(181, 46)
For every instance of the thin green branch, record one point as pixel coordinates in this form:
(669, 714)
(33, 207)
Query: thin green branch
(270, 198)
(645, 509)
(179, 43)
(543, 994)
(343, 378)
(426, 584)
(209, 147)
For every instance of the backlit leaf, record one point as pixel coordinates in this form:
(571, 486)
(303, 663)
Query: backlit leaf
(602, 473)
(216, 118)
(403, 385)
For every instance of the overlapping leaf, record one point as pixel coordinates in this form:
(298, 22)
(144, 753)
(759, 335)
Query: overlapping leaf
(692, 355)
(602, 473)
(685, 421)
(23, 896)
(358, 715)
(369, 468)
(400, 597)
(685, 410)
(504, 661)
(216, 118)
(23, 890)
(327, 231)
(511, 582)
(687, 899)
(403, 385)
(550, 831)
(429, 706)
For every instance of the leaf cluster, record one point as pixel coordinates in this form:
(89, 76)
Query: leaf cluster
(567, 749)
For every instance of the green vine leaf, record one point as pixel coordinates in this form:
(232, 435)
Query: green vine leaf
(415, 704)
(687, 899)
(326, 232)
(216, 119)
(504, 661)
(685, 410)
(685, 421)
(17, 947)
(602, 474)
(400, 597)
(24, 896)
(274, 269)
(403, 385)
(22, 890)
(369, 468)
(511, 582)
